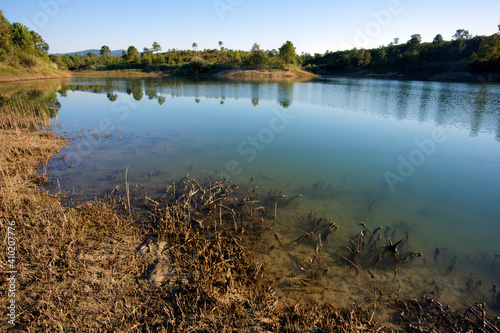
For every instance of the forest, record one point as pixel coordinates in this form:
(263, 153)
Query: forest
(20, 46)
(463, 53)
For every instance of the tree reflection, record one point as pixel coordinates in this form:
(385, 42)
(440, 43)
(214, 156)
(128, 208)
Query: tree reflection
(137, 90)
(498, 129)
(38, 101)
(403, 98)
(479, 109)
(254, 93)
(285, 93)
(441, 103)
(111, 96)
(443, 109)
(54, 105)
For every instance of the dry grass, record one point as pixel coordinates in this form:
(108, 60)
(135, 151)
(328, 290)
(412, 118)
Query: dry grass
(76, 267)
(17, 73)
(182, 265)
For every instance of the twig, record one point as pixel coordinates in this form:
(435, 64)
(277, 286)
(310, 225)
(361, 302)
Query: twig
(352, 264)
(128, 191)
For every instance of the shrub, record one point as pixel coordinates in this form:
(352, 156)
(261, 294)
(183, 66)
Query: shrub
(199, 64)
(27, 59)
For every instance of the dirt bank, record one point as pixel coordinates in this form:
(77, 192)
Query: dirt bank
(267, 74)
(117, 73)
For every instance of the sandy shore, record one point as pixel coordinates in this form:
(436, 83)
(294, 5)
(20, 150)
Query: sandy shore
(117, 73)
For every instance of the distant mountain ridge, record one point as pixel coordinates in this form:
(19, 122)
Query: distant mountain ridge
(95, 51)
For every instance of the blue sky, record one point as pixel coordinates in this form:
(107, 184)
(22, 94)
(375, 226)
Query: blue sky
(314, 26)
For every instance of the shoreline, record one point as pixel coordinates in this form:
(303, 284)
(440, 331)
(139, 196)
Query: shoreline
(256, 74)
(9, 74)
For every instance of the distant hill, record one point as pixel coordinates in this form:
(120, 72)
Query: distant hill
(96, 51)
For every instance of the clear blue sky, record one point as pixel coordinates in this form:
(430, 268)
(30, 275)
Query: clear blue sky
(313, 26)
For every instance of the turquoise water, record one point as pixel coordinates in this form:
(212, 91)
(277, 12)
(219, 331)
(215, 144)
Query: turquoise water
(423, 157)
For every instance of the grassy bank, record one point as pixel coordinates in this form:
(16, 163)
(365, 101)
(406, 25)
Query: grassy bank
(19, 73)
(178, 262)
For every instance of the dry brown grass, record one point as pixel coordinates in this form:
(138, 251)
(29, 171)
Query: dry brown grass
(183, 264)
(76, 267)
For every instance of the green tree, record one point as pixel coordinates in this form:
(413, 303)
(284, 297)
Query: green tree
(488, 51)
(367, 59)
(255, 48)
(195, 46)
(438, 40)
(105, 51)
(462, 34)
(382, 56)
(198, 64)
(146, 59)
(221, 45)
(40, 45)
(21, 36)
(415, 39)
(5, 40)
(237, 58)
(257, 56)
(132, 53)
(287, 52)
(156, 47)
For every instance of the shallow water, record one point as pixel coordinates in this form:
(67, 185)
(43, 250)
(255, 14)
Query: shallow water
(420, 157)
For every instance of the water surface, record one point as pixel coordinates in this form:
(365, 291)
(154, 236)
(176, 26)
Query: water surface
(419, 157)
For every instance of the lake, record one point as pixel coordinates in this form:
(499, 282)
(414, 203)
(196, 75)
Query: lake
(420, 159)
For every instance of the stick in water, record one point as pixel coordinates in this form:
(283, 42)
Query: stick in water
(128, 192)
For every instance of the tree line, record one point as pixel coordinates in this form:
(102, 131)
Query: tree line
(197, 61)
(462, 53)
